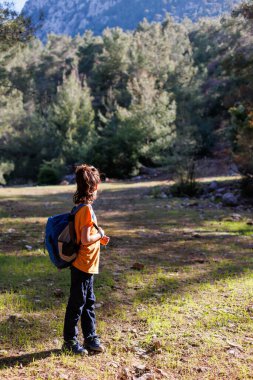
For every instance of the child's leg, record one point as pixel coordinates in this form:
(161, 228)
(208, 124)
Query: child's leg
(88, 318)
(78, 292)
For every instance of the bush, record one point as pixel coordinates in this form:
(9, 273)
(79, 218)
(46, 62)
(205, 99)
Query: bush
(5, 169)
(183, 189)
(50, 173)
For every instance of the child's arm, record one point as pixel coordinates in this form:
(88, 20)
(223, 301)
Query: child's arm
(87, 238)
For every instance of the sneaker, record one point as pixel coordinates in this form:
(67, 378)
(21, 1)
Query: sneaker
(74, 347)
(93, 343)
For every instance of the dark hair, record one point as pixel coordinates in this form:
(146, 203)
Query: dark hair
(87, 179)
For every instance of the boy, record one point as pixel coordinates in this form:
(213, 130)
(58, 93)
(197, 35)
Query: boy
(82, 299)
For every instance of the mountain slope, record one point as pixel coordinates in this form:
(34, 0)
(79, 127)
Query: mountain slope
(75, 16)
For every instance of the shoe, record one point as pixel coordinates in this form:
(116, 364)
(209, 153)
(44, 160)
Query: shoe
(74, 347)
(93, 343)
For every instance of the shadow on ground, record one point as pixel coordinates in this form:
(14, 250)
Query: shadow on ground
(26, 359)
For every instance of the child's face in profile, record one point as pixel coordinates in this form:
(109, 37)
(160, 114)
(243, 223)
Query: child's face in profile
(96, 192)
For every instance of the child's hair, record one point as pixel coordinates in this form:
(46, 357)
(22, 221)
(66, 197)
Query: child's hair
(87, 179)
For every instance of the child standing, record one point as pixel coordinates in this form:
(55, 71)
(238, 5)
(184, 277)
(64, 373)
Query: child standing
(82, 299)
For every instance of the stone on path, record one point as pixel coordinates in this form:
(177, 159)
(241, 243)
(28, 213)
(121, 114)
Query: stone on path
(229, 199)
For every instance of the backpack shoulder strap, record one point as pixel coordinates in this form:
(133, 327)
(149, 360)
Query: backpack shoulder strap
(72, 214)
(74, 210)
(93, 217)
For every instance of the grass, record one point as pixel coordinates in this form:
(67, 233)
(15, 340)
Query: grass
(186, 315)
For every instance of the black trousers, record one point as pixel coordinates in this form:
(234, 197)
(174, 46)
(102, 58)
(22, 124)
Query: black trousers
(81, 304)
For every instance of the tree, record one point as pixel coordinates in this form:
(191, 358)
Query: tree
(73, 117)
(14, 28)
(140, 134)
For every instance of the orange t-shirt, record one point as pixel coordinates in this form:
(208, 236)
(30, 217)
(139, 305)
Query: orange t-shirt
(88, 255)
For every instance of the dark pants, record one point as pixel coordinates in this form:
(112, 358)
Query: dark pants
(81, 304)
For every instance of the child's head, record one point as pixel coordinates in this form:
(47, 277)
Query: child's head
(87, 180)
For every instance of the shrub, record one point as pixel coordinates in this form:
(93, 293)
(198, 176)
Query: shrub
(182, 189)
(50, 172)
(6, 168)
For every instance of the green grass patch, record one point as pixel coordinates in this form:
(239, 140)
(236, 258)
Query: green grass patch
(186, 312)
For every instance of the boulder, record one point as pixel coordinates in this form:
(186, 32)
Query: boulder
(213, 186)
(70, 178)
(229, 199)
(64, 183)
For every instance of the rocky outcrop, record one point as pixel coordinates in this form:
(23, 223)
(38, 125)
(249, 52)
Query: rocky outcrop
(75, 16)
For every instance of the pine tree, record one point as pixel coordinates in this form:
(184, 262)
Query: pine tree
(73, 116)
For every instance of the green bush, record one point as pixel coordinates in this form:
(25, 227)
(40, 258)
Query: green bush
(183, 189)
(49, 174)
(5, 169)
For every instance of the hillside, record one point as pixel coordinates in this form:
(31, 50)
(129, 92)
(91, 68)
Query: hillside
(71, 17)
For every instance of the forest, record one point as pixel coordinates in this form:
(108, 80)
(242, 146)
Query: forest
(175, 288)
(166, 93)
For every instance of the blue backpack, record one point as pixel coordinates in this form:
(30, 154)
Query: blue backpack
(60, 239)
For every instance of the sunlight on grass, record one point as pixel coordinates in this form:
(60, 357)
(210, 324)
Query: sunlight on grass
(185, 309)
(238, 228)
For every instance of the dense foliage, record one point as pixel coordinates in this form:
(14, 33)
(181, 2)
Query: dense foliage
(161, 95)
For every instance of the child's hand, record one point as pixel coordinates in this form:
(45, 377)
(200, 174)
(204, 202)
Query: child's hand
(105, 240)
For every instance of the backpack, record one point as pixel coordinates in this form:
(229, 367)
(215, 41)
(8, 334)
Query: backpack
(60, 238)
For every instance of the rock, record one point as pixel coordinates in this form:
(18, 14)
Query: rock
(113, 364)
(11, 230)
(28, 247)
(63, 376)
(140, 367)
(233, 218)
(213, 186)
(162, 195)
(69, 178)
(250, 222)
(137, 266)
(229, 199)
(56, 341)
(220, 191)
(234, 352)
(98, 305)
(64, 183)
